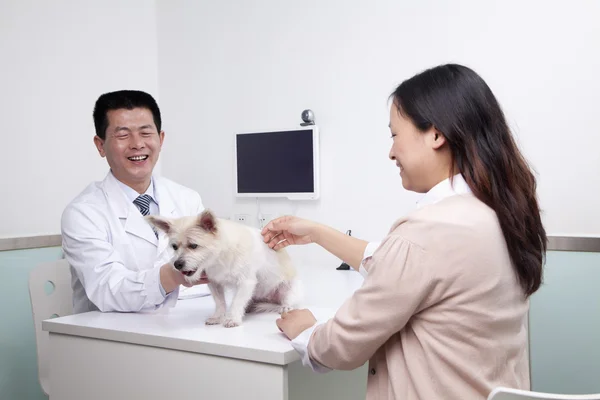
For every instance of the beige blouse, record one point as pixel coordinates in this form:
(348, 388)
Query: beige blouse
(440, 315)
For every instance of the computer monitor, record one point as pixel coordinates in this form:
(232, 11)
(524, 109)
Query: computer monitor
(283, 163)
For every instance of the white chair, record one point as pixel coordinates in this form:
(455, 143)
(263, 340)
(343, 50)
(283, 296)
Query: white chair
(502, 393)
(51, 296)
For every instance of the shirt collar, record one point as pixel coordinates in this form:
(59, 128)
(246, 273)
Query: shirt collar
(445, 189)
(132, 194)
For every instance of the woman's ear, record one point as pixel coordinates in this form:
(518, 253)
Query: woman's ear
(437, 139)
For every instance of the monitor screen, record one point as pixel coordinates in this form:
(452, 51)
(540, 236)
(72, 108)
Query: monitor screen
(280, 162)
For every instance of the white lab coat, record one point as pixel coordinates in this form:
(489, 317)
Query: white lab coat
(115, 257)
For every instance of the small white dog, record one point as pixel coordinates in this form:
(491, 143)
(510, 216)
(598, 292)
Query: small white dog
(233, 256)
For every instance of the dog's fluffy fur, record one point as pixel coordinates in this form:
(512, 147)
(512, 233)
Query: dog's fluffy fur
(233, 256)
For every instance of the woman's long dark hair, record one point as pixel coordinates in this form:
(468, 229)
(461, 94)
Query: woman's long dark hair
(460, 105)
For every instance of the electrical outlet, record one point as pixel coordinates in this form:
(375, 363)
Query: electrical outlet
(264, 220)
(242, 218)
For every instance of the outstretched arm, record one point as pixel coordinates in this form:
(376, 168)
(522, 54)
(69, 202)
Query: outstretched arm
(284, 231)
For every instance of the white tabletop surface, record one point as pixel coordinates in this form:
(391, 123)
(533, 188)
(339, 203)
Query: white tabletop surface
(183, 327)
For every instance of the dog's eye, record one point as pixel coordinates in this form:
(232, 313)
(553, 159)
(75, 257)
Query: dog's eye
(193, 245)
(174, 246)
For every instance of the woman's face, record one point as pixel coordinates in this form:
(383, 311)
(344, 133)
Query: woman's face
(414, 152)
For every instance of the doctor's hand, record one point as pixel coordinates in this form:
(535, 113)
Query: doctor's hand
(293, 323)
(170, 278)
(203, 280)
(283, 231)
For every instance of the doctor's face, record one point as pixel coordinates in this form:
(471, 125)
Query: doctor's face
(131, 146)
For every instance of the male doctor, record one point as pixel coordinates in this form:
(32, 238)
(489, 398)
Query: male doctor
(118, 263)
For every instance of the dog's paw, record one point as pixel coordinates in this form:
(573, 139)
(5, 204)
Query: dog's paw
(214, 320)
(230, 322)
(285, 309)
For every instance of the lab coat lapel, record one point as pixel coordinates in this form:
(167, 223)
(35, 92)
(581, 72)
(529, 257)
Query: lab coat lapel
(134, 222)
(138, 226)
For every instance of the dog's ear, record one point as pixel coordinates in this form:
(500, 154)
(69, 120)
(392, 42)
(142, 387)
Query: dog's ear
(160, 223)
(207, 221)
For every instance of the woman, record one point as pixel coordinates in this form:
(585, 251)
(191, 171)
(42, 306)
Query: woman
(442, 311)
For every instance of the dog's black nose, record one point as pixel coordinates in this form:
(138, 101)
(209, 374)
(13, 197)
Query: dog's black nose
(179, 264)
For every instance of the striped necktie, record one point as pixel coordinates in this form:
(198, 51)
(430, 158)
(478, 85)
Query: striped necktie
(143, 203)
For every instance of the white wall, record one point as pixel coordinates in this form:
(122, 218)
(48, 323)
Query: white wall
(231, 66)
(225, 67)
(56, 59)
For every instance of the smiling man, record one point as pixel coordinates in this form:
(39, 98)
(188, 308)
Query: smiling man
(118, 262)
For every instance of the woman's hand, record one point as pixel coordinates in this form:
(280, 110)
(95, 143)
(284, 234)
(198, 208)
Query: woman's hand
(293, 323)
(283, 231)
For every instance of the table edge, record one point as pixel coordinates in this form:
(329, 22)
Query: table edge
(194, 346)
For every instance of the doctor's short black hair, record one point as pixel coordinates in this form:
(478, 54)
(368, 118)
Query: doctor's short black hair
(128, 99)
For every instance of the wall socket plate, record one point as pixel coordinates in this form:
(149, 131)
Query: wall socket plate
(265, 219)
(242, 218)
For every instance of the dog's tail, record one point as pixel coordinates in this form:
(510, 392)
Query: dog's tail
(264, 307)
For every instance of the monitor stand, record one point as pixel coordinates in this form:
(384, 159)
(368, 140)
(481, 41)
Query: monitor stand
(343, 267)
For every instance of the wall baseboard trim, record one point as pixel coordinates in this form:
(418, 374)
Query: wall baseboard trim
(555, 243)
(574, 243)
(30, 242)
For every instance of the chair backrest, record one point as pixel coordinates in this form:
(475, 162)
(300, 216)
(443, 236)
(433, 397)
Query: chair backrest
(51, 296)
(502, 393)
